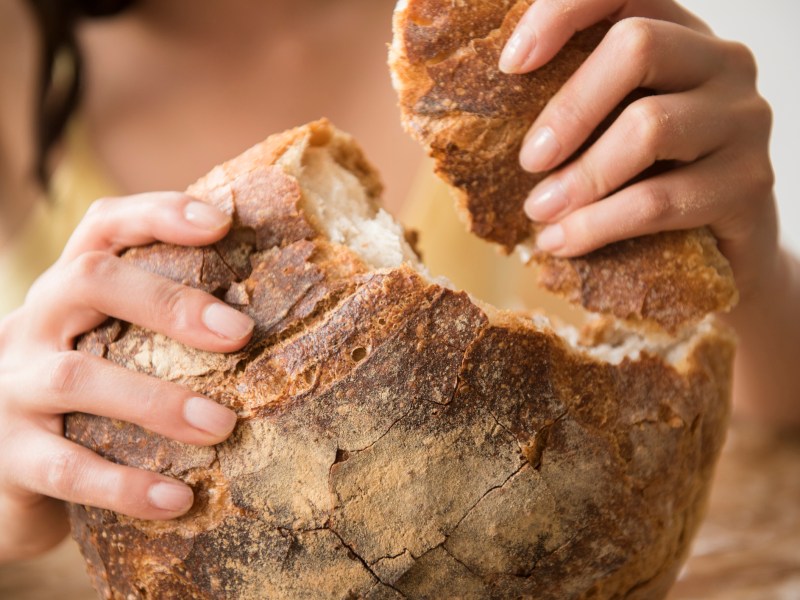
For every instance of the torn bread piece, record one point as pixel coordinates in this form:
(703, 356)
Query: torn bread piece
(472, 118)
(398, 439)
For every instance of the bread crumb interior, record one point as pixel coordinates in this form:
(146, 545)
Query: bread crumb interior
(339, 206)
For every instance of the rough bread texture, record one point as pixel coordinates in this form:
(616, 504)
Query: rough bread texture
(473, 118)
(395, 440)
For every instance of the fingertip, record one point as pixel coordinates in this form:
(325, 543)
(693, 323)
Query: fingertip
(206, 217)
(516, 54)
(551, 239)
(546, 202)
(228, 323)
(171, 498)
(210, 417)
(540, 150)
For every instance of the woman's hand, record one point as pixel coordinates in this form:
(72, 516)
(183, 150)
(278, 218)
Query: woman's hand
(708, 120)
(42, 376)
(706, 116)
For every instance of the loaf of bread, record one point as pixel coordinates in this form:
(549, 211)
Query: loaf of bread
(473, 118)
(397, 438)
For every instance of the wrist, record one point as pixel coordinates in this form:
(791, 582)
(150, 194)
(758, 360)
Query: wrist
(766, 383)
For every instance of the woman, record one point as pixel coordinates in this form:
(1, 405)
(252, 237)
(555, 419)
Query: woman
(175, 87)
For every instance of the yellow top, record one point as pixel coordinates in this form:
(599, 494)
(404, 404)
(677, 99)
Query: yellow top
(471, 264)
(76, 183)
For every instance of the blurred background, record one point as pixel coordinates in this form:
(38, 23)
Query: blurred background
(769, 28)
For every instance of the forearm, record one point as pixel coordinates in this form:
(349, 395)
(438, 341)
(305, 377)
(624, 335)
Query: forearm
(29, 528)
(767, 375)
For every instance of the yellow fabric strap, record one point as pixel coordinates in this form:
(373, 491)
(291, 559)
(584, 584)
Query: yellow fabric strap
(76, 183)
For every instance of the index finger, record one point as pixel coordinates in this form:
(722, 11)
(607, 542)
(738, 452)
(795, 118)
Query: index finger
(548, 24)
(112, 224)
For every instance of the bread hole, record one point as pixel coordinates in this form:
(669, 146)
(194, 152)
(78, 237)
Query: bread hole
(358, 354)
(346, 214)
(381, 321)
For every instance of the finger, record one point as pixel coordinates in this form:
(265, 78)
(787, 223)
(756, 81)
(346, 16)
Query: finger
(637, 53)
(81, 295)
(53, 466)
(112, 224)
(709, 191)
(548, 24)
(74, 381)
(681, 127)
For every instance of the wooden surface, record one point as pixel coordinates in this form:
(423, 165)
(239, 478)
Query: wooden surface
(749, 545)
(747, 549)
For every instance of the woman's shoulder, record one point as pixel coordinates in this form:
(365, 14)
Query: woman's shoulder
(19, 55)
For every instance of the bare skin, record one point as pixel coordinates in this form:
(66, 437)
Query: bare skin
(175, 87)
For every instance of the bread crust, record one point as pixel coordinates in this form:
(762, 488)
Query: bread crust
(472, 118)
(395, 440)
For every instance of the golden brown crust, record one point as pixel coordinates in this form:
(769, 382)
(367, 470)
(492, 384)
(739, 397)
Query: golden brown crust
(673, 279)
(394, 440)
(473, 118)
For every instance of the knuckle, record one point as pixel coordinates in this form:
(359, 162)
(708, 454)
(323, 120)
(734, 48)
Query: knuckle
(761, 177)
(67, 374)
(653, 202)
(62, 473)
(762, 115)
(650, 122)
(589, 181)
(153, 403)
(635, 38)
(171, 304)
(569, 116)
(90, 266)
(99, 207)
(742, 59)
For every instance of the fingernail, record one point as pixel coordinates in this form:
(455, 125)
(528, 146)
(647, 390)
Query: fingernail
(517, 50)
(546, 201)
(227, 322)
(172, 497)
(551, 238)
(208, 416)
(205, 216)
(540, 150)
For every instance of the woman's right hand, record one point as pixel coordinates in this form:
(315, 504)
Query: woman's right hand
(42, 376)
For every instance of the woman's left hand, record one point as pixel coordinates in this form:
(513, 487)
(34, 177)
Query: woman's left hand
(706, 115)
